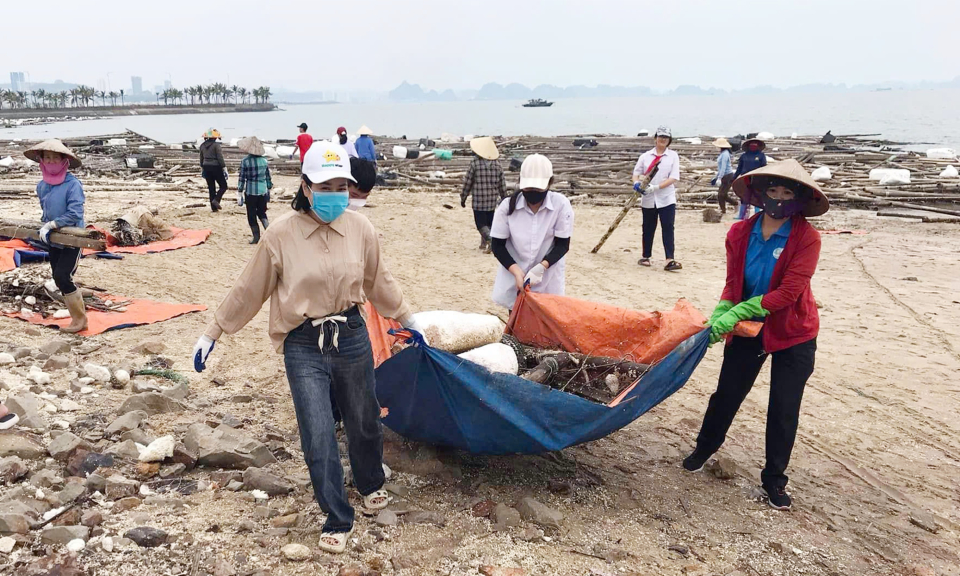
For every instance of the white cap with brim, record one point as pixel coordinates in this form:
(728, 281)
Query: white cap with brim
(325, 161)
(536, 172)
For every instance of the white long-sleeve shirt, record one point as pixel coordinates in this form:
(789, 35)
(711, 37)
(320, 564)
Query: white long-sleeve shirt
(669, 168)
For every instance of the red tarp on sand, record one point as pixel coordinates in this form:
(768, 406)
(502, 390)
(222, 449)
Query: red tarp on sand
(137, 313)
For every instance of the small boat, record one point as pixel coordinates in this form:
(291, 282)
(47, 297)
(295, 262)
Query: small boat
(537, 103)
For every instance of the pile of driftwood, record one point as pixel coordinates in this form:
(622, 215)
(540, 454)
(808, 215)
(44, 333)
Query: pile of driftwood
(30, 289)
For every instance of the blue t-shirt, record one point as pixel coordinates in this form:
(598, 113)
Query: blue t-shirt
(762, 256)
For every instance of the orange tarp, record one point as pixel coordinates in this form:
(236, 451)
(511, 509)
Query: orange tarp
(378, 328)
(137, 313)
(181, 239)
(7, 248)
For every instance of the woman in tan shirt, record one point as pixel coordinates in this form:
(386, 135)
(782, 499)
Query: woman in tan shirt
(315, 264)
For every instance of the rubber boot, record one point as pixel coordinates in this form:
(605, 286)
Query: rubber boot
(256, 234)
(265, 222)
(484, 238)
(78, 312)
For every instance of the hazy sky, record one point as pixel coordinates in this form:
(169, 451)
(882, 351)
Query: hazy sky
(376, 44)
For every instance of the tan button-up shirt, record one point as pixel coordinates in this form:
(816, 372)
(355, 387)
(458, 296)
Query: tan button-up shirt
(310, 270)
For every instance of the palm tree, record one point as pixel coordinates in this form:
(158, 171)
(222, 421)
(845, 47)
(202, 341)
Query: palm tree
(63, 96)
(3, 97)
(165, 95)
(103, 97)
(113, 97)
(235, 90)
(242, 93)
(74, 96)
(121, 96)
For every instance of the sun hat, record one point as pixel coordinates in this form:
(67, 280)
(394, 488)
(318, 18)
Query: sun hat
(364, 131)
(211, 133)
(722, 143)
(536, 172)
(303, 125)
(54, 145)
(788, 169)
(746, 143)
(325, 161)
(663, 131)
(485, 148)
(251, 145)
(341, 130)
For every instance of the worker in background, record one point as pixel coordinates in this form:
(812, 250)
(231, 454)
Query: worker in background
(365, 178)
(751, 159)
(484, 179)
(725, 173)
(531, 235)
(771, 259)
(659, 198)
(364, 145)
(214, 167)
(346, 143)
(254, 184)
(303, 143)
(315, 264)
(62, 202)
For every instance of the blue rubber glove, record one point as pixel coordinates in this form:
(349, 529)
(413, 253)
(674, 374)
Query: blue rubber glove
(201, 351)
(636, 187)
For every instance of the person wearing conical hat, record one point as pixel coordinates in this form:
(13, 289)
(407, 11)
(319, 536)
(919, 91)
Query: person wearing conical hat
(771, 259)
(364, 145)
(485, 181)
(213, 167)
(62, 201)
(751, 159)
(254, 184)
(724, 177)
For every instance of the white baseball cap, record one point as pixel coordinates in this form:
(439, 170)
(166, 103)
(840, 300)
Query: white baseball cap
(325, 161)
(536, 172)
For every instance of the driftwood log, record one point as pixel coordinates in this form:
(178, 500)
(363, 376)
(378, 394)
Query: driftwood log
(73, 237)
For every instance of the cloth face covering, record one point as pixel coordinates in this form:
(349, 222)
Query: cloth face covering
(780, 209)
(357, 203)
(328, 206)
(754, 147)
(54, 172)
(534, 197)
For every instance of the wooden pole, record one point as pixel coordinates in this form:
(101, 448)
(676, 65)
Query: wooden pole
(73, 237)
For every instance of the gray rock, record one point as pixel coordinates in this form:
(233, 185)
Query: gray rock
(56, 363)
(91, 518)
(137, 435)
(14, 524)
(152, 403)
(63, 534)
(924, 520)
(296, 552)
(387, 518)
(96, 483)
(21, 444)
(141, 386)
(12, 468)
(504, 516)
(56, 347)
(119, 487)
(26, 405)
(234, 486)
(276, 532)
(397, 490)
(150, 347)
(20, 353)
(147, 537)
(247, 526)
(231, 421)
(127, 422)
(178, 392)
(173, 470)
(46, 478)
(126, 449)
(265, 512)
(226, 448)
(723, 468)
(88, 348)
(424, 517)
(71, 492)
(64, 445)
(533, 511)
(257, 479)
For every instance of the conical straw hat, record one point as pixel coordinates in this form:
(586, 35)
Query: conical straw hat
(251, 145)
(791, 170)
(53, 145)
(364, 131)
(485, 148)
(722, 143)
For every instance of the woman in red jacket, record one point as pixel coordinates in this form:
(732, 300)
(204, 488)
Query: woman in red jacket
(770, 261)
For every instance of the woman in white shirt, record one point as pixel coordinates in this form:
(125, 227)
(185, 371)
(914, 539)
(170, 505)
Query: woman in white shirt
(531, 235)
(659, 198)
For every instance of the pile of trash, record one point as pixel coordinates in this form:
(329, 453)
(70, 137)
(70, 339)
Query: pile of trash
(31, 290)
(140, 226)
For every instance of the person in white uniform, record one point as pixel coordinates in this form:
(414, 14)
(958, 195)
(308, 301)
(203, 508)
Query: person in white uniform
(531, 235)
(659, 198)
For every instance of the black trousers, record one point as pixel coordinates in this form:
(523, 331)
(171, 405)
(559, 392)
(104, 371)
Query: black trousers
(790, 370)
(64, 262)
(483, 218)
(214, 177)
(722, 195)
(667, 215)
(256, 208)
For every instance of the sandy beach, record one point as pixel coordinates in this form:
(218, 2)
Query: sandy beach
(874, 473)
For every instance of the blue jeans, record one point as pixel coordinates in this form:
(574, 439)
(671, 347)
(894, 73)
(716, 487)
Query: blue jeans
(343, 375)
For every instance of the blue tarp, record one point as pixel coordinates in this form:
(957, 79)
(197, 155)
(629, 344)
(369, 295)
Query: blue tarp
(436, 397)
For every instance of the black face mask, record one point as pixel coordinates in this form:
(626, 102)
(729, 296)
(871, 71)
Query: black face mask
(534, 196)
(780, 209)
(343, 139)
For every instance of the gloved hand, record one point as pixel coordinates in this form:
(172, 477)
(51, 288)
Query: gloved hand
(239, 198)
(745, 310)
(714, 181)
(463, 202)
(201, 351)
(535, 275)
(225, 174)
(722, 308)
(651, 188)
(636, 187)
(410, 323)
(45, 231)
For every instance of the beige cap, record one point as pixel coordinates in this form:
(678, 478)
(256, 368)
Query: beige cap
(251, 145)
(364, 131)
(536, 172)
(789, 169)
(485, 148)
(53, 145)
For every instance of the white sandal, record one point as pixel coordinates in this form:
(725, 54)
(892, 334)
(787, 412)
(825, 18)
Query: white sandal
(339, 537)
(369, 498)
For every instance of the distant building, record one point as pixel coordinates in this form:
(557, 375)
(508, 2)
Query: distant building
(102, 85)
(17, 82)
(167, 84)
(136, 82)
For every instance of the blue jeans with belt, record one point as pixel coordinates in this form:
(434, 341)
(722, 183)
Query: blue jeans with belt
(342, 374)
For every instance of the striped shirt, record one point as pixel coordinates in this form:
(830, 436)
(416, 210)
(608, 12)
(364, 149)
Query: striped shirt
(254, 177)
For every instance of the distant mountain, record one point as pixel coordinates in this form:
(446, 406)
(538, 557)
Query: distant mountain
(407, 92)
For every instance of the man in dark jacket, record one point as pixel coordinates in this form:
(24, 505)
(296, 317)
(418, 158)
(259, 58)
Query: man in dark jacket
(751, 159)
(213, 167)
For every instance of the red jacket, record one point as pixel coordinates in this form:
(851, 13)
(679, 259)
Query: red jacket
(793, 315)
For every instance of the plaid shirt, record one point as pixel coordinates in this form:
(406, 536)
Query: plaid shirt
(485, 180)
(254, 176)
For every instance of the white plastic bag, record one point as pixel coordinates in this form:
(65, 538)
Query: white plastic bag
(942, 153)
(457, 331)
(494, 357)
(399, 152)
(285, 150)
(901, 176)
(950, 172)
(117, 142)
(765, 136)
(693, 141)
(233, 142)
(793, 136)
(894, 179)
(270, 152)
(821, 174)
(6, 162)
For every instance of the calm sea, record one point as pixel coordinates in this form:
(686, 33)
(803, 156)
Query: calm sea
(921, 116)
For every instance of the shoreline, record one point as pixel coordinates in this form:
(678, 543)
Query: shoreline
(114, 111)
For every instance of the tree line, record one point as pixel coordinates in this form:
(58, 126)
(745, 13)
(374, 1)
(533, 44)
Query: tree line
(85, 96)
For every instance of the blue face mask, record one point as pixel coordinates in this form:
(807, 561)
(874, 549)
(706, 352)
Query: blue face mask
(328, 206)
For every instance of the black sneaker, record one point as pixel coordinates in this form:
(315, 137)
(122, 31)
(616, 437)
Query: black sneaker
(695, 461)
(777, 497)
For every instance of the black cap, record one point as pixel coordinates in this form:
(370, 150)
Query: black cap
(303, 125)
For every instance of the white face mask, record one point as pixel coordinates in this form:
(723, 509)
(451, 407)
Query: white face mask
(356, 203)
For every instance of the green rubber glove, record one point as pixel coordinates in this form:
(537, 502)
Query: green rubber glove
(722, 308)
(743, 311)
